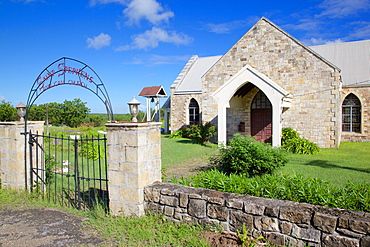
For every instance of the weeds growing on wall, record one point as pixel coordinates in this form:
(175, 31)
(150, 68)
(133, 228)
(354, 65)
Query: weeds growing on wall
(246, 156)
(288, 187)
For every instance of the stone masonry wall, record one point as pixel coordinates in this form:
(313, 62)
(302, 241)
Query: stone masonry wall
(180, 107)
(134, 162)
(12, 169)
(363, 93)
(281, 222)
(313, 82)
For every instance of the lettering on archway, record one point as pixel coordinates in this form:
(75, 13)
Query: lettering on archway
(69, 71)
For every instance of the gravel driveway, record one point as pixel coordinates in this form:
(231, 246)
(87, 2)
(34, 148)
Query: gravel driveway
(43, 227)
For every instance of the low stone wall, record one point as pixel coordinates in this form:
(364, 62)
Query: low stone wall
(281, 222)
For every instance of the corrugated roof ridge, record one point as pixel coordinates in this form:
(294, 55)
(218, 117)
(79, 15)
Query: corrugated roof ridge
(184, 71)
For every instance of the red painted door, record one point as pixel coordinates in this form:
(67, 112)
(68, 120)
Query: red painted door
(261, 125)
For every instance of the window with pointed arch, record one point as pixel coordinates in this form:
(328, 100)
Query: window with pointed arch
(193, 112)
(351, 114)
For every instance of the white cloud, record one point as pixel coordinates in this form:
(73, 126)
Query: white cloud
(305, 24)
(154, 59)
(361, 31)
(321, 41)
(2, 98)
(99, 41)
(152, 38)
(29, 1)
(342, 8)
(227, 27)
(150, 10)
(95, 2)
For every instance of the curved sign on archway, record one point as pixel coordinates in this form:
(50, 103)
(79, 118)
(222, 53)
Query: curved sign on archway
(69, 71)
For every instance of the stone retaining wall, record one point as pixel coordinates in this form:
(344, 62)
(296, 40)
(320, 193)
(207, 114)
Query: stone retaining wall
(281, 222)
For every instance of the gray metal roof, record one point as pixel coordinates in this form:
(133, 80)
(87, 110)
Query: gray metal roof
(353, 58)
(190, 79)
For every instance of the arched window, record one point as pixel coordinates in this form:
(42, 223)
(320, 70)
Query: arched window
(193, 112)
(260, 101)
(351, 114)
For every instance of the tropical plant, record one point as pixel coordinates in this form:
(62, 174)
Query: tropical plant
(246, 156)
(201, 133)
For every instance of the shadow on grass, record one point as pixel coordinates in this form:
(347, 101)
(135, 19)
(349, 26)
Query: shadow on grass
(326, 164)
(186, 141)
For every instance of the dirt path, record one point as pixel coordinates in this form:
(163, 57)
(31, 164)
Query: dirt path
(43, 227)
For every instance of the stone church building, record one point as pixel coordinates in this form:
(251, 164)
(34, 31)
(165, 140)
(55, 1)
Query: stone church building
(269, 80)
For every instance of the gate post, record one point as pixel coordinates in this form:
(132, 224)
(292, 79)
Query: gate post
(13, 172)
(134, 161)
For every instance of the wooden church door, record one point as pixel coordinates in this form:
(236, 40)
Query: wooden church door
(261, 118)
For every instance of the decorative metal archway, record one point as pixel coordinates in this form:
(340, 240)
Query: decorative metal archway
(69, 71)
(64, 71)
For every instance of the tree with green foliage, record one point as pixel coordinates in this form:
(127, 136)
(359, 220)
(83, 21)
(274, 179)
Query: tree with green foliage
(37, 113)
(74, 112)
(7, 112)
(71, 113)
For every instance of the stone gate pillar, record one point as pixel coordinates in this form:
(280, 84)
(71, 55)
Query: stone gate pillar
(134, 161)
(13, 173)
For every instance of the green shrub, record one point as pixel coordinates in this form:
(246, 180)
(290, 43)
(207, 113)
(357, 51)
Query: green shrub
(287, 187)
(90, 149)
(176, 134)
(288, 134)
(244, 155)
(293, 143)
(201, 133)
(301, 146)
(198, 132)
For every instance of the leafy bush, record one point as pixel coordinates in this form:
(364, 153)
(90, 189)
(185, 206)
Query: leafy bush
(198, 132)
(301, 146)
(288, 134)
(290, 187)
(293, 143)
(177, 134)
(246, 156)
(201, 133)
(90, 150)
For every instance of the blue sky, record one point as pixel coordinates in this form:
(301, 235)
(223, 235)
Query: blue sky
(133, 44)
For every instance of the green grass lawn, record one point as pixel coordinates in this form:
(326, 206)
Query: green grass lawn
(350, 162)
(180, 154)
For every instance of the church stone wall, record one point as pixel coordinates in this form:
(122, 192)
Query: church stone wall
(314, 83)
(363, 93)
(180, 108)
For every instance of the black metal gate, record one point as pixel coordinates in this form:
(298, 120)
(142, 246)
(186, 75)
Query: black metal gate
(69, 169)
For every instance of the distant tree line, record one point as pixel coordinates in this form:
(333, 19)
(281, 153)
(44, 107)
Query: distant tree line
(70, 113)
